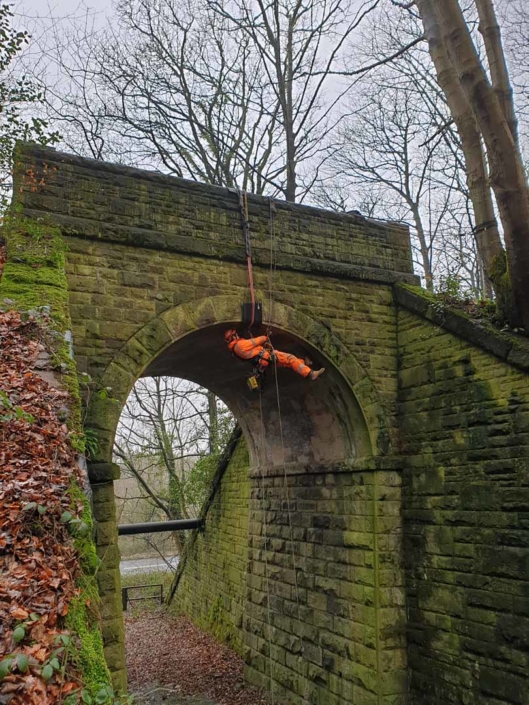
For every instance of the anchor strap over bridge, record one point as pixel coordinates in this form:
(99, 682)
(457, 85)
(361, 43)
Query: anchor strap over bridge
(245, 224)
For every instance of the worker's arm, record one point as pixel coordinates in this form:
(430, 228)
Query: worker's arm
(260, 340)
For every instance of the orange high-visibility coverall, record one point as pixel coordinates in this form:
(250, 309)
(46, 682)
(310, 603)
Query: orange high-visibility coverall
(248, 349)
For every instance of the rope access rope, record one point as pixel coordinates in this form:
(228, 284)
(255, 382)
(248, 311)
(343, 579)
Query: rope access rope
(271, 211)
(243, 207)
(285, 481)
(265, 548)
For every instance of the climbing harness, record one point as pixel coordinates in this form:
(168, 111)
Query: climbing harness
(258, 377)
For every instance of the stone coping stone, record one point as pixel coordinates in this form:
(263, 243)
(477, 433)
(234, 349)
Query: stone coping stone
(508, 347)
(103, 472)
(51, 154)
(388, 462)
(383, 254)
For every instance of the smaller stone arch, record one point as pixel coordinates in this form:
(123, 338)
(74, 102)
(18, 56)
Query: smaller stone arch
(336, 419)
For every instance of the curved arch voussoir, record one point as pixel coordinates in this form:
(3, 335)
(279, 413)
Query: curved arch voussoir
(171, 325)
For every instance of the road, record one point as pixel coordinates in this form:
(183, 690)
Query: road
(146, 565)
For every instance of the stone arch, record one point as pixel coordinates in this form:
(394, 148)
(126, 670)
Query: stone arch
(340, 418)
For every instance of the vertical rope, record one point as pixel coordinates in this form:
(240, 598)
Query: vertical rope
(245, 223)
(271, 207)
(263, 508)
(287, 493)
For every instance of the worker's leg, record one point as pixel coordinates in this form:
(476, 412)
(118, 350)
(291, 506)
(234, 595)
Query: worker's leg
(293, 362)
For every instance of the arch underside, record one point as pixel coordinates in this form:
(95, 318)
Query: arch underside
(294, 420)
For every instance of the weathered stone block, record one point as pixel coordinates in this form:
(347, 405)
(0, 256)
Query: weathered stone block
(103, 472)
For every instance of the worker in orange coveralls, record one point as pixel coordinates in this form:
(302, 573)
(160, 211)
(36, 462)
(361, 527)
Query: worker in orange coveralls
(259, 352)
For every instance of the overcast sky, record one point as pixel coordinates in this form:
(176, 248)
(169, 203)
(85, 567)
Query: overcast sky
(43, 7)
(58, 8)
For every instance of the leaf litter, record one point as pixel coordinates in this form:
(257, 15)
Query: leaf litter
(172, 662)
(38, 562)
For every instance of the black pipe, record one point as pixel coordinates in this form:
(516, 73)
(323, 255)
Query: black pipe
(154, 527)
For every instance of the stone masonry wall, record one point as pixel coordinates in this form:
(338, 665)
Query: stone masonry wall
(325, 587)
(448, 424)
(92, 199)
(465, 440)
(140, 244)
(211, 590)
(323, 584)
(114, 291)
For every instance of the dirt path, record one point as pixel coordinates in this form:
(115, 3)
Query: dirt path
(171, 662)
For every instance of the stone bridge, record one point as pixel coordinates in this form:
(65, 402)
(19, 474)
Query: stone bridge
(366, 542)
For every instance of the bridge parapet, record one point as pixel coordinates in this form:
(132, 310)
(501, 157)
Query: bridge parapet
(118, 204)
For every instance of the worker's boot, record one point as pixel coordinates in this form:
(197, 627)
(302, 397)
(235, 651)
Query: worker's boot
(316, 373)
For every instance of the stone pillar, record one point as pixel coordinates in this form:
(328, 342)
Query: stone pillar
(325, 586)
(101, 477)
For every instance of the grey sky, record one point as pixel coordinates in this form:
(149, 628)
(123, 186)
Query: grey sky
(33, 9)
(58, 7)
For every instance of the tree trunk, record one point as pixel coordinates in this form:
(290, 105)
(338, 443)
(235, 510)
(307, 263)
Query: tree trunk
(488, 242)
(175, 504)
(490, 30)
(426, 264)
(288, 117)
(213, 416)
(506, 168)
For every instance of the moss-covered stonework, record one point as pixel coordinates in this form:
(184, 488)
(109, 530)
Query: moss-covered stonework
(34, 279)
(212, 586)
(465, 440)
(325, 586)
(303, 540)
(318, 575)
(151, 260)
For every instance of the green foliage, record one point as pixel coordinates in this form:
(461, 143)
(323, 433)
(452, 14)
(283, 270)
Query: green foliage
(450, 286)
(18, 634)
(202, 472)
(88, 652)
(199, 479)
(91, 444)
(104, 696)
(16, 97)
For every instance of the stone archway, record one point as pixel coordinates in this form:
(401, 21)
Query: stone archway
(352, 409)
(337, 421)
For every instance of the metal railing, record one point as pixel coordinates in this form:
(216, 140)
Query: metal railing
(126, 598)
(154, 527)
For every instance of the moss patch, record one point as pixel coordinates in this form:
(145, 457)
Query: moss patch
(34, 279)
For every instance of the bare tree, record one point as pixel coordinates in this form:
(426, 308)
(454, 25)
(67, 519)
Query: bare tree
(19, 101)
(448, 34)
(165, 85)
(232, 93)
(168, 428)
(394, 149)
(302, 45)
(400, 156)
